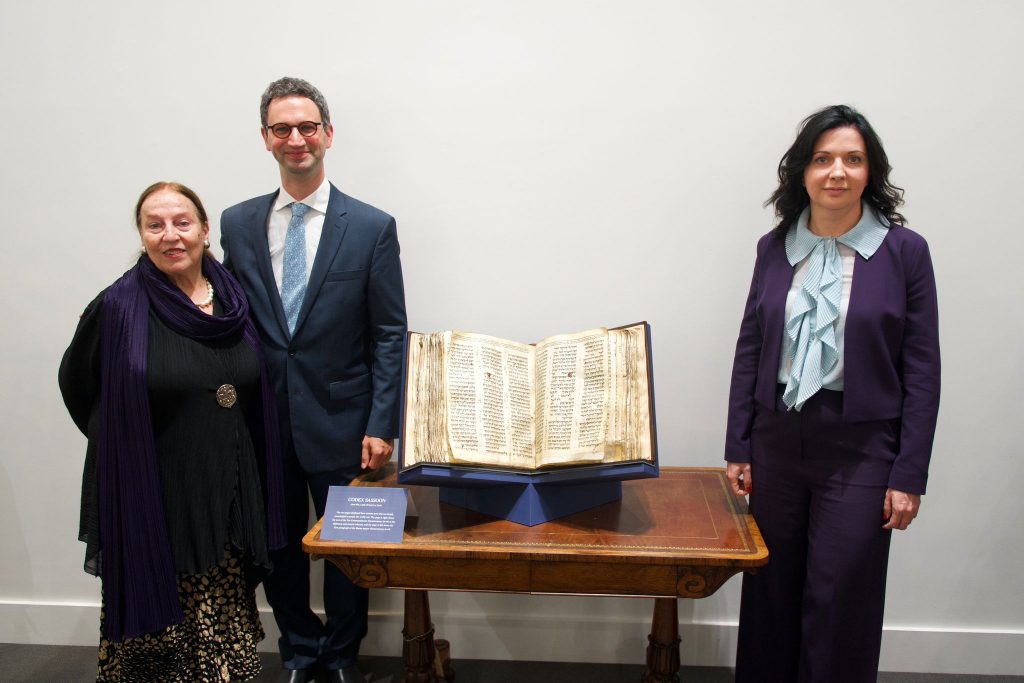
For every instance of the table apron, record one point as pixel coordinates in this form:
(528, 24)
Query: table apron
(534, 577)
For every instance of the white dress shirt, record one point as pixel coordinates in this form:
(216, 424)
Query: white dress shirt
(281, 215)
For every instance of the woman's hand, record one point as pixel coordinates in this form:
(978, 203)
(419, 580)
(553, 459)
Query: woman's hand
(738, 474)
(900, 509)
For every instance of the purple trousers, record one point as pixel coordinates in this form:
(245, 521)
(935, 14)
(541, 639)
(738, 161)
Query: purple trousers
(814, 613)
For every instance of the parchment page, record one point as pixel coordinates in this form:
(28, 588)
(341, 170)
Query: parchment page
(629, 410)
(572, 396)
(425, 438)
(489, 400)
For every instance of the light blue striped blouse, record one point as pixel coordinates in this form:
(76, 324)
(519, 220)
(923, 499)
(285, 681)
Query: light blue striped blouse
(812, 343)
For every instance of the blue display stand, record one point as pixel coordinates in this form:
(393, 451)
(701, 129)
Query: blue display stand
(532, 504)
(466, 476)
(528, 499)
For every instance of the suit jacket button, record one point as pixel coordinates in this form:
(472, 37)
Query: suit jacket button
(291, 353)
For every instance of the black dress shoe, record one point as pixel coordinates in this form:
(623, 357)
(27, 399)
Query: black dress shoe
(349, 674)
(297, 676)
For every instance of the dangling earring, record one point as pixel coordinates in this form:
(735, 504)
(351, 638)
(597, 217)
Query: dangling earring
(206, 243)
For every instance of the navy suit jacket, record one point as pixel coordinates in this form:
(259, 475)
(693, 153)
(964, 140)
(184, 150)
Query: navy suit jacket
(890, 352)
(338, 377)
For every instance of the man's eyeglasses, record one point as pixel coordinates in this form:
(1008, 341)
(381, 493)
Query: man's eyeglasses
(307, 129)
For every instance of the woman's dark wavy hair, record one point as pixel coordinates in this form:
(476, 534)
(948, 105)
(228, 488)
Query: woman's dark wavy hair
(790, 198)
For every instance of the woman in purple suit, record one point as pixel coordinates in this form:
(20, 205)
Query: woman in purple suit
(832, 406)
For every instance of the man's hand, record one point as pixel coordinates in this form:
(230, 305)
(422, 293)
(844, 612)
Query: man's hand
(738, 474)
(376, 451)
(899, 509)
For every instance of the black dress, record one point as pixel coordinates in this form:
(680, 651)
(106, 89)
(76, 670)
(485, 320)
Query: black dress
(212, 498)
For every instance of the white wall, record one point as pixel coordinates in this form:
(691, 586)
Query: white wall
(553, 166)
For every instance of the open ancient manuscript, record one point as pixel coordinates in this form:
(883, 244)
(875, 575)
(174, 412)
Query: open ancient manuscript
(571, 399)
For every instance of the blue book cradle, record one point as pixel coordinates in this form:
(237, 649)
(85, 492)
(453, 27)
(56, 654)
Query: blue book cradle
(528, 498)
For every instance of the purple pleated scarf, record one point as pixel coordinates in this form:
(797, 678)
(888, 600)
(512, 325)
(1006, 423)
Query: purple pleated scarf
(139, 584)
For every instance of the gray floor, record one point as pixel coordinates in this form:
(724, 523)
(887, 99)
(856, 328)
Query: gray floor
(60, 664)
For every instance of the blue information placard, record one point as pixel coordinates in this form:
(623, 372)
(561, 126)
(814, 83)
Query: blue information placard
(369, 514)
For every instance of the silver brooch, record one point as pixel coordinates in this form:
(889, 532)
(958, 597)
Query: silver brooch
(226, 395)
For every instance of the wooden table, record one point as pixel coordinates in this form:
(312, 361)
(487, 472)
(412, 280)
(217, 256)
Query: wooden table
(679, 536)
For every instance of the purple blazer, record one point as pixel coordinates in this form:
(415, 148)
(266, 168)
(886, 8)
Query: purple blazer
(891, 348)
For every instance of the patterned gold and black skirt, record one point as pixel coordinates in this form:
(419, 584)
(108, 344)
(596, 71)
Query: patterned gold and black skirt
(216, 641)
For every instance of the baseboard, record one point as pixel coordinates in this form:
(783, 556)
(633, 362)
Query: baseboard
(567, 638)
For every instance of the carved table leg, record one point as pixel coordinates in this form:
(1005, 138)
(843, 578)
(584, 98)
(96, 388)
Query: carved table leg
(663, 644)
(418, 642)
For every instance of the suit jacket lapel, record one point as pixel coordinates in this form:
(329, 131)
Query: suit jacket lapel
(776, 279)
(335, 225)
(258, 221)
(870, 278)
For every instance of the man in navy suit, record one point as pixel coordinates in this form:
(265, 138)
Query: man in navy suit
(324, 281)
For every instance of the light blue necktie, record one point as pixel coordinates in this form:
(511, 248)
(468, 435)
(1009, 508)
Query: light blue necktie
(293, 276)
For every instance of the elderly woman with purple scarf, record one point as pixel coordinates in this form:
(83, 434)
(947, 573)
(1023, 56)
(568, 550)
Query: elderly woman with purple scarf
(181, 489)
